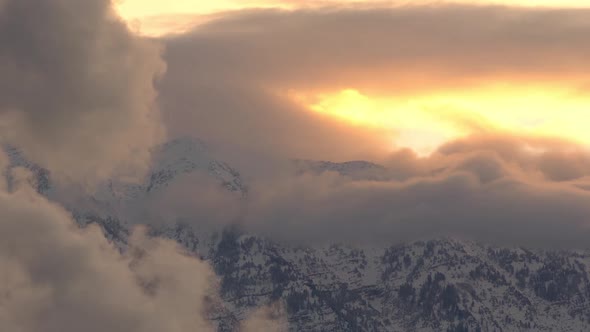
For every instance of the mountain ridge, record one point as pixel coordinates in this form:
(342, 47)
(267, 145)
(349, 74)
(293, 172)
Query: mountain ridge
(441, 284)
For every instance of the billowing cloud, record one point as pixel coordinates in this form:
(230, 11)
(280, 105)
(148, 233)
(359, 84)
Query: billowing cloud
(491, 189)
(57, 277)
(76, 95)
(76, 88)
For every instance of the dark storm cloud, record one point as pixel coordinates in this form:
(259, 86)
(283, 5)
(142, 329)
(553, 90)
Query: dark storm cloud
(76, 88)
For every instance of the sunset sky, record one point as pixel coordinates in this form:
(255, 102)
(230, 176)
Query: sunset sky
(158, 17)
(145, 8)
(518, 100)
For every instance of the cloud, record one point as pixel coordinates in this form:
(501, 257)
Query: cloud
(77, 96)
(190, 197)
(406, 48)
(228, 82)
(76, 88)
(249, 118)
(477, 193)
(500, 189)
(57, 277)
(271, 318)
(77, 92)
(229, 79)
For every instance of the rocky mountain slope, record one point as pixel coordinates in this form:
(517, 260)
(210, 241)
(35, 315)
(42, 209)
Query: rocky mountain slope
(436, 285)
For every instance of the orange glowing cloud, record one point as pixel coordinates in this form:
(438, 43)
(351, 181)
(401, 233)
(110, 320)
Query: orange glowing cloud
(425, 121)
(422, 74)
(155, 17)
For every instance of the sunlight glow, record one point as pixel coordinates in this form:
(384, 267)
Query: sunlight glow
(423, 122)
(157, 17)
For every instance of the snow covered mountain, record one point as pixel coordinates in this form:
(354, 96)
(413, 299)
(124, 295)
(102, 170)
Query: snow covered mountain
(183, 156)
(358, 169)
(436, 285)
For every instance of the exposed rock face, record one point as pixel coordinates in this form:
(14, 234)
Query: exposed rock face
(438, 285)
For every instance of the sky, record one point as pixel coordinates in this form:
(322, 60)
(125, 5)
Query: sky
(507, 102)
(157, 17)
(476, 115)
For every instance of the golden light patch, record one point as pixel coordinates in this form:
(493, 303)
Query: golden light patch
(423, 122)
(157, 17)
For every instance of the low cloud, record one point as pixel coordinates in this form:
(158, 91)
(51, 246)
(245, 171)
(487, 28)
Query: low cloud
(57, 277)
(191, 197)
(270, 318)
(506, 190)
(511, 197)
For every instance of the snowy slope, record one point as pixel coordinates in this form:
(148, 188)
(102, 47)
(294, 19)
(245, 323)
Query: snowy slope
(436, 285)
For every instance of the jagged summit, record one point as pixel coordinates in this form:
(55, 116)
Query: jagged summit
(185, 155)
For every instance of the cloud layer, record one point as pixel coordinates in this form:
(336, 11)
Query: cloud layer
(499, 189)
(228, 82)
(491, 190)
(409, 48)
(57, 277)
